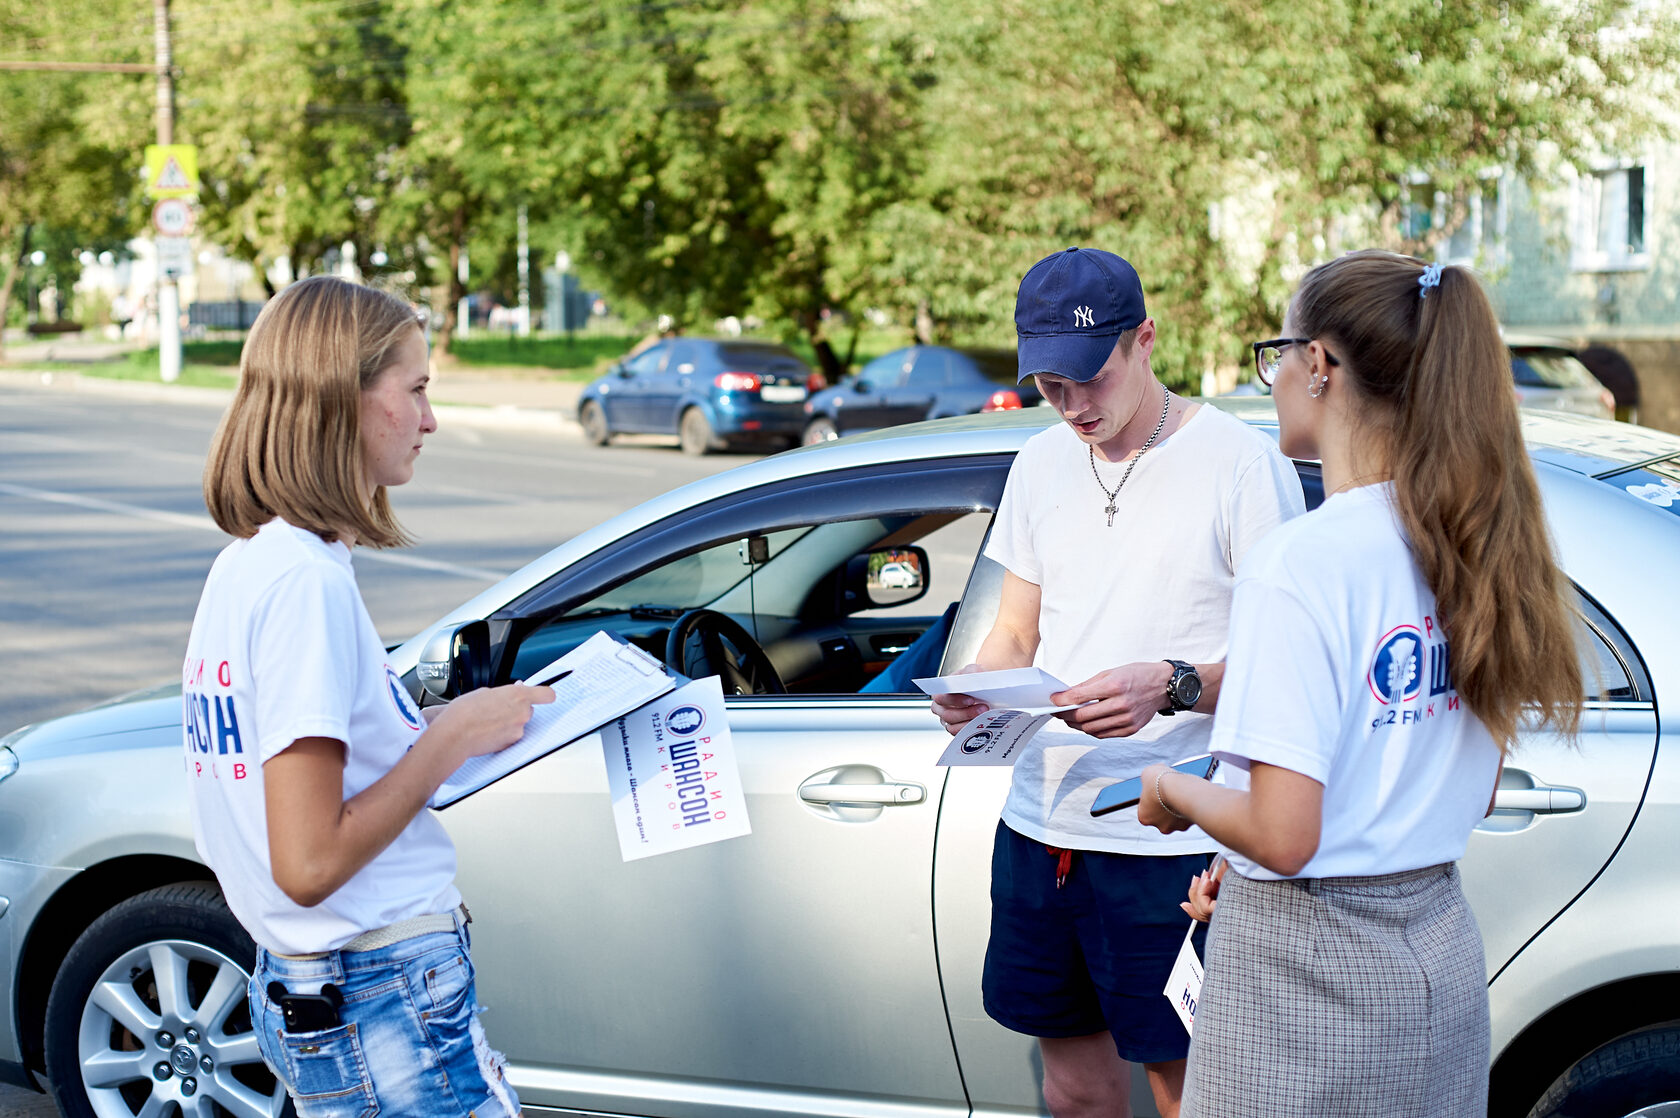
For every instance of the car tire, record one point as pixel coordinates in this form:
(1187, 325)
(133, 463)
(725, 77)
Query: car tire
(694, 433)
(820, 430)
(1634, 1074)
(120, 1036)
(594, 423)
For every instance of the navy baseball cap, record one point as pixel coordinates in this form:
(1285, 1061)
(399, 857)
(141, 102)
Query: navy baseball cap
(1071, 308)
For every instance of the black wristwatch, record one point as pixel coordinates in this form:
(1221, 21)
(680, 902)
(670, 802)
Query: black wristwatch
(1183, 689)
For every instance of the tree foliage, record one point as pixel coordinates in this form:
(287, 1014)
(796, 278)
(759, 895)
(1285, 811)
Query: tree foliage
(805, 160)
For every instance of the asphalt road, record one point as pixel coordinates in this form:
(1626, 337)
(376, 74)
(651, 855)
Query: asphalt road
(105, 541)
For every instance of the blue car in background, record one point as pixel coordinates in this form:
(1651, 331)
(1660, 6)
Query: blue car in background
(711, 393)
(916, 383)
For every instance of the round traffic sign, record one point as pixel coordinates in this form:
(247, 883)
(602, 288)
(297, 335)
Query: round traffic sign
(172, 217)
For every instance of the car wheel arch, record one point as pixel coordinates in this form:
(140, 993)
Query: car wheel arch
(66, 915)
(1571, 1030)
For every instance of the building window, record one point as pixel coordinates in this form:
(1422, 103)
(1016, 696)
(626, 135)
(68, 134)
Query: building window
(1609, 226)
(1479, 240)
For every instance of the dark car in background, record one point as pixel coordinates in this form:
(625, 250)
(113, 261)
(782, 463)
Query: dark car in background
(711, 393)
(916, 383)
(1547, 374)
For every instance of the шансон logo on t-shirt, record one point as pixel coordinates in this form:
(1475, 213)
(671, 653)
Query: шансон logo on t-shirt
(399, 698)
(1407, 657)
(1395, 675)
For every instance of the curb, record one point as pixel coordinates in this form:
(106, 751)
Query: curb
(496, 416)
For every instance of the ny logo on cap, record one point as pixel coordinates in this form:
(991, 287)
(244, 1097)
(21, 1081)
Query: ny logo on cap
(1082, 317)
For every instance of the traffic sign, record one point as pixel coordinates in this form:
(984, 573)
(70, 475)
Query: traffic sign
(174, 256)
(171, 170)
(173, 217)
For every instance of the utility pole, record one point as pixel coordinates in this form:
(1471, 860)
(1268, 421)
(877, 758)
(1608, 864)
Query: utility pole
(169, 294)
(524, 275)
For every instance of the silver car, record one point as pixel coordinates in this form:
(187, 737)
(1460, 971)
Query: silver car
(829, 964)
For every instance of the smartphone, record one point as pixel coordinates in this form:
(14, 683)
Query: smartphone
(308, 1013)
(1128, 792)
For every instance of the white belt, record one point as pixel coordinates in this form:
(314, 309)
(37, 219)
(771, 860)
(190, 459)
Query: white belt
(395, 933)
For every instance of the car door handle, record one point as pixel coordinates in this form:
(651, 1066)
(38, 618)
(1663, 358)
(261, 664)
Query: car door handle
(1544, 800)
(885, 793)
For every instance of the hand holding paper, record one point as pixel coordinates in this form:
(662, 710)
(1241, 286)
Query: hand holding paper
(1012, 705)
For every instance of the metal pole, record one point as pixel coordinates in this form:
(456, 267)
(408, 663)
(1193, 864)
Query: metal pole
(524, 275)
(169, 294)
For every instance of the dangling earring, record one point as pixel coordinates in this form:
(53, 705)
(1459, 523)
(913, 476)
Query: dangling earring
(1319, 384)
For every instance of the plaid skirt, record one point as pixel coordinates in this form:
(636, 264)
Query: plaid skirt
(1347, 996)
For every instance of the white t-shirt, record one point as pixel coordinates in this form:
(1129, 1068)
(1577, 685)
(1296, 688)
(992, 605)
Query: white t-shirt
(1155, 586)
(1338, 670)
(282, 648)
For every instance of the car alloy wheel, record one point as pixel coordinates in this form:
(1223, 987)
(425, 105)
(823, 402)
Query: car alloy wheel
(1637, 1075)
(820, 430)
(149, 1014)
(594, 423)
(695, 433)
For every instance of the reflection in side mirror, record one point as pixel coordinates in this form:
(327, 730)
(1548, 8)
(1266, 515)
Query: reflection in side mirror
(887, 576)
(456, 660)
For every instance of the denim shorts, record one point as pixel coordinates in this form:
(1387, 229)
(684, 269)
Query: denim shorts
(1092, 956)
(409, 1042)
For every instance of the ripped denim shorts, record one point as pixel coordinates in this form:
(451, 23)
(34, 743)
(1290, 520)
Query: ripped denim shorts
(409, 1041)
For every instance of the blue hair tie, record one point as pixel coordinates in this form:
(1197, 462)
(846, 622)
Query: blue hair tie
(1431, 278)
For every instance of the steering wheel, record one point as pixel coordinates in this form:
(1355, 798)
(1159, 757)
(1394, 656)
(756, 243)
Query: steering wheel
(747, 672)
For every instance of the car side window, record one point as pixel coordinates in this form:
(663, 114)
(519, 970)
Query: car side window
(836, 579)
(1611, 671)
(931, 371)
(649, 360)
(887, 371)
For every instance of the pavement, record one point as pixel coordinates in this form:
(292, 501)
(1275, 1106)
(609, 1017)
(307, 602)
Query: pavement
(480, 397)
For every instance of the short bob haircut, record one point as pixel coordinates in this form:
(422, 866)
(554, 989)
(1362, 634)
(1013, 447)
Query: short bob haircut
(290, 443)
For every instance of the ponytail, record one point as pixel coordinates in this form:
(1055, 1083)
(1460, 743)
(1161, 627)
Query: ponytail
(1429, 362)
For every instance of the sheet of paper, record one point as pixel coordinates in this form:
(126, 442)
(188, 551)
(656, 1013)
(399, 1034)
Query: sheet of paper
(1016, 688)
(672, 772)
(994, 738)
(1184, 984)
(607, 677)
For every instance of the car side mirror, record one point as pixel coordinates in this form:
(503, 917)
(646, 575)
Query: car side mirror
(887, 576)
(622, 372)
(860, 386)
(456, 660)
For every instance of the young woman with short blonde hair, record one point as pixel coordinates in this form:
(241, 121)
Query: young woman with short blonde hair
(308, 763)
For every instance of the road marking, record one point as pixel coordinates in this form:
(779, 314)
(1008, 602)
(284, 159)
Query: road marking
(204, 523)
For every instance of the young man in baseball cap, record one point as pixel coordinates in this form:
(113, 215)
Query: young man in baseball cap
(1120, 531)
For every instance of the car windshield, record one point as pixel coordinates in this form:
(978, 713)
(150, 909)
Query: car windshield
(689, 582)
(1548, 368)
(762, 359)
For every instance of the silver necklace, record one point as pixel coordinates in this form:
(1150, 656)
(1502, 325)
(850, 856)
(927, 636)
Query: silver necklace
(1166, 403)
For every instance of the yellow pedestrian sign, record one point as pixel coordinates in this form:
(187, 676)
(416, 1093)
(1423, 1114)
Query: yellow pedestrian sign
(171, 170)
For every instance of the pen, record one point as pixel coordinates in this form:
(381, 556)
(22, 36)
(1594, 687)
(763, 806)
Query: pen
(553, 679)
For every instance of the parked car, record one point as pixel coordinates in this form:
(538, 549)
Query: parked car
(710, 393)
(1546, 373)
(916, 383)
(1549, 375)
(829, 963)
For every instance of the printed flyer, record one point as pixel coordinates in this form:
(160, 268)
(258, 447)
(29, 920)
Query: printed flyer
(671, 767)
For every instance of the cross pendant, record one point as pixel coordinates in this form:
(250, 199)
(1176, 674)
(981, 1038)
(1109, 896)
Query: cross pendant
(1110, 511)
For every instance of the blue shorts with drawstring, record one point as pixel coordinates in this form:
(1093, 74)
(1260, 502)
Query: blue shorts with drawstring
(1092, 956)
(409, 1042)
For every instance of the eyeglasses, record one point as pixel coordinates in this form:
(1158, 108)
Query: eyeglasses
(1268, 355)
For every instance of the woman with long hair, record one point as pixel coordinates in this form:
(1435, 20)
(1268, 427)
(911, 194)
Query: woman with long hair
(1384, 649)
(308, 762)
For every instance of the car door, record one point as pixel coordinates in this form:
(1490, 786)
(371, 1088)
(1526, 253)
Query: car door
(790, 972)
(863, 403)
(626, 404)
(912, 399)
(667, 387)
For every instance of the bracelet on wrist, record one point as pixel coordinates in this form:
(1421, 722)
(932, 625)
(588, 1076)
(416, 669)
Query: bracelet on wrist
(1163, 802)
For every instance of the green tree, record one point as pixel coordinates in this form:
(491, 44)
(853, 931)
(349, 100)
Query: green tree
(65, 186)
